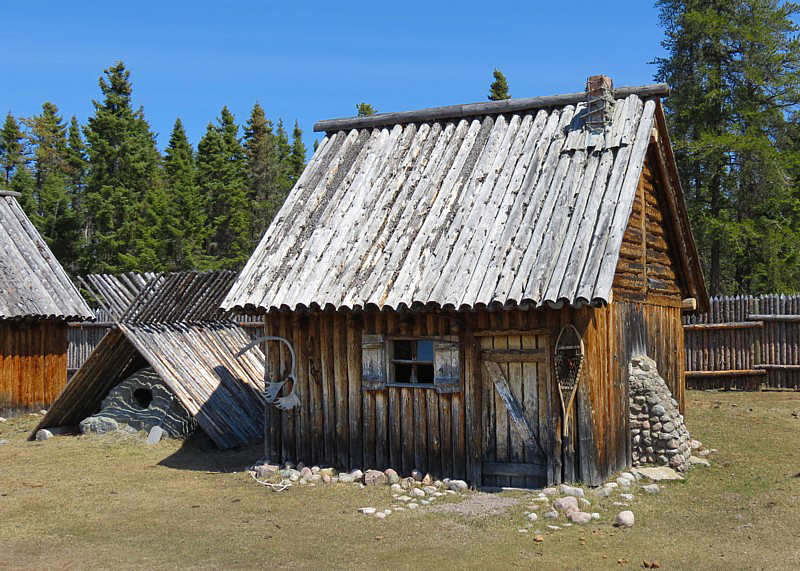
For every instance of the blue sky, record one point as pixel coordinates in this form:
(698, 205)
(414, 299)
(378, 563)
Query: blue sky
(313, 60)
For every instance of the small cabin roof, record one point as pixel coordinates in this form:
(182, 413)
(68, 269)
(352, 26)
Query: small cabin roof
(509, 202)
(32, 282)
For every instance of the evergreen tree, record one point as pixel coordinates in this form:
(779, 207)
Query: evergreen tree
(297, 158)
(184, 220)
(50, 207)
(735, 71)
(263, 169)
(11, 148)
(365, 109)
(284, 150)
(498, 90)
(223, 185)
(124, 169)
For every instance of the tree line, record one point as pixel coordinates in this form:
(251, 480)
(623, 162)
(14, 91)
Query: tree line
(106, 200)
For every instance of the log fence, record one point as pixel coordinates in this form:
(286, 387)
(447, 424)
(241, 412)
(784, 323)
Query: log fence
(744, 342)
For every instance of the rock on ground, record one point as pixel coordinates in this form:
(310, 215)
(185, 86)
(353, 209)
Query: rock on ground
(533, 517)
(581, 518)
(566, 504)
(457, 486)
(3, 442)
(571, 491)
(375, 478)
(695, 461)
(368, 511)
(603, 492)
(625, 519)
(659, 473)
(651, 488)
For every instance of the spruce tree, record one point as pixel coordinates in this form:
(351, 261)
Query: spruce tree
(124, 169)
(260, 147)
(51, 207)
(498, 90)
(184, 220)
(11, 148)
(734, 68)
(365, 109)
(297, 158)
(223, 185)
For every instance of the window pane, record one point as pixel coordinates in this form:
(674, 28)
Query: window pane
(402, 373)
(404, 350)
(425, 374)
(425, 350)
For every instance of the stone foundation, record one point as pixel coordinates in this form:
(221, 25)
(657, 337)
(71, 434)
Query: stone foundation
(140, 402)
(658, 431)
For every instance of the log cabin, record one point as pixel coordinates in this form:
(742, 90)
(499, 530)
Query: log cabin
(429, 265)
(37, 301)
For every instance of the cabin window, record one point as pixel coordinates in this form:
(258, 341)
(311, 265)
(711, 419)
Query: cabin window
(421, 362)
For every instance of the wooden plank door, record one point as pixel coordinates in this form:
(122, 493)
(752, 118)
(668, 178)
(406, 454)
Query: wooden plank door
(515, 371)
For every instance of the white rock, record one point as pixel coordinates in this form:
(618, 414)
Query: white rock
(620, 504)
(387, 512)
(571, 491)
(626, 497)
(532, 517)
(457, 486)
(581, 518)
(658, 473)
(550, 491)
(368, 511)
(412, 506)
(651, 488)
(552, 514)
(624, 482)
(430, 490)
(357, 474)
(553, 527)
(438, 494)
(380, 515)
(566, 504)
(695, 444)
(399, 509)
(404, 499)
(628, 476)
(43, 434)
(595, 515)
(397, 488)
(2, 420)
(417, 493)
(625, 519)
(425, 502)
(450, 492)
(584, 502)
(3, 442)
(611, 485)
(695, 461)
(603, 492)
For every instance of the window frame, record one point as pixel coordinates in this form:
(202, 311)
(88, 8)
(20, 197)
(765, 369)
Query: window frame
(414, 362)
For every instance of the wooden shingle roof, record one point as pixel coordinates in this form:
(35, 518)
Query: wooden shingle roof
(516, 203)
(32, 282)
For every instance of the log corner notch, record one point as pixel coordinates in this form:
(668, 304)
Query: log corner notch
(689, 304)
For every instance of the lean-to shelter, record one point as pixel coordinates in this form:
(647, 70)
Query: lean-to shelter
(37, 301)
(427, 263)
(172, 323)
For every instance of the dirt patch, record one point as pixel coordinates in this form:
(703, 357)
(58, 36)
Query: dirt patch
(478, 504)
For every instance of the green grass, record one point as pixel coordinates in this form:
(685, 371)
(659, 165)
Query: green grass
(90, 503)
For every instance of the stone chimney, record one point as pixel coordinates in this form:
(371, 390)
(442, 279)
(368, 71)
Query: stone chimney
(599, 102)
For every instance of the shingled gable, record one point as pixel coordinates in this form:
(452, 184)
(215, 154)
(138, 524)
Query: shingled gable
(510, 202)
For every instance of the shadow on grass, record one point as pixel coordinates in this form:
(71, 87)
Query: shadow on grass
(198, 453)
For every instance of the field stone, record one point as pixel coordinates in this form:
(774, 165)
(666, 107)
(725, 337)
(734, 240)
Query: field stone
(553, 527)
(412, 506)
(375, 478)
(425, 502)
(624, 482)
(404, 498)
(581, 518)
(651, 488)
(595, 515)
(346, 478)
(417, 493)
(550, 491)
(571, 491)
(458, 486)
(438, 483)
(417, 475)
(552, 514)
(392, 476)
(2, 420)
(3, 442)
(602, 492)
(427, 480)
(625, 519)
(532, 517)
(626, 497)
(357, 475)
(584, 502)
(380, 515)
(695, 461)
(658, 473)
(326, 479)
(367, 511)
(306, 472)
(407, 483)
(566, 504)
(396, 488)
(611, 485)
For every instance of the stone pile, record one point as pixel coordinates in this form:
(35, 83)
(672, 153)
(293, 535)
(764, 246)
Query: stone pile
(658, 431)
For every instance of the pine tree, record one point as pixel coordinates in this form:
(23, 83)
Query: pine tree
(184, 220)
(124, 169)
(297, 158)
(284, 150)
(223, 186)
(498, 90)
(365, 109)
(734, 67)
(11, 148)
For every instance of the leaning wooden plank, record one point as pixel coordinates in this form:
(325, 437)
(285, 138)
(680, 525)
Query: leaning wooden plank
(519, 422)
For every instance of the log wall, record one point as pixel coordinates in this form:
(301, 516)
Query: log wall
(33, 364)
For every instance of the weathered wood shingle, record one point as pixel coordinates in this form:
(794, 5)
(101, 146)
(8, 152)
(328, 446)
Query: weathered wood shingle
(32, 282)
(461, 212)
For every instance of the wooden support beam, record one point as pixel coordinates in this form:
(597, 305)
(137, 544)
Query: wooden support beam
(777, 367)
(514, 355)
(785, 318)
(504, 332)
(712, 374)
(730, 325)
(689, 304)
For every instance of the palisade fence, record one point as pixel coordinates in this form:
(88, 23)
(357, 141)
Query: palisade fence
(84, 337)
(744, 342)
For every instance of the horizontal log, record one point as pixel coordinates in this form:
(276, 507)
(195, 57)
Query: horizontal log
(508, 469)
(474, 109)
(731, 325)
(514, 355)
(739, 373)
(789, 318)
(10, 193)
(689, 304)
(506, 332)
(778, 367)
